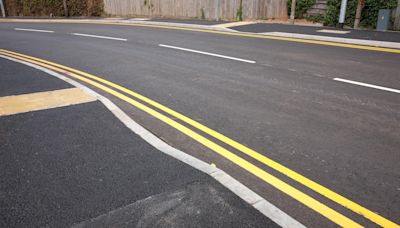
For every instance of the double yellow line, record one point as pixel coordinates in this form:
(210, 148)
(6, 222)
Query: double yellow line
(310, 202)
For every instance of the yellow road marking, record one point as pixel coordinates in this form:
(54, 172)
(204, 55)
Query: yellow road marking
(11, 105)
(266, 177)
(380, 220)
(327, 43)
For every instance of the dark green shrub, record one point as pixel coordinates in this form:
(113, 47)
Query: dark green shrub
(76, 8)
(13, 7)
(54, 7)
(94, 8)
(301, 7)
(369, 14)
(317, 18)
(202, 14)
(239, 12)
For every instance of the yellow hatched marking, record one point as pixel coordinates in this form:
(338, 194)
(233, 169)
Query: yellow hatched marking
(11, 105)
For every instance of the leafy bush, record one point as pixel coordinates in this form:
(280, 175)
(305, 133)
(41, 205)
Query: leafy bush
(54, 7)
(239, 12)
(13, 7)
(301, 7)
(94, 7)
(316, 18)
(369, 14)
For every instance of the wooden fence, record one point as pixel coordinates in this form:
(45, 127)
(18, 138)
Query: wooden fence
(207, 9)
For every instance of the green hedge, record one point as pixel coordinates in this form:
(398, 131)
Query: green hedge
(369, 14)
(54, 7)
(301, 7)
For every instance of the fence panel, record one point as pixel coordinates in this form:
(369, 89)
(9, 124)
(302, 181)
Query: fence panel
(209, 9)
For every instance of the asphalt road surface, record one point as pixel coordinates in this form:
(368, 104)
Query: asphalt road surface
(300, 104)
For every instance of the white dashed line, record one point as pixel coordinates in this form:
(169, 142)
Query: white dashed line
(207, 53)
(101, 37)
(33, 30)
(367, 85)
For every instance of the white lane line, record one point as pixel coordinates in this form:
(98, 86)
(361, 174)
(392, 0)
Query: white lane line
(207, 53)
(333, 31)
(101, 37)
(33, 30)
(367, 85)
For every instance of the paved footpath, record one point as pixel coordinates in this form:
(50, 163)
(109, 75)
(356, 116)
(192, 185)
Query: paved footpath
(73, 163)
(389, 36)
(286, 29)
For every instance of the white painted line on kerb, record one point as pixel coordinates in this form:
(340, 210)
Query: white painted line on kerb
(101, 37)
(333, 31)
(367, 85)
(33, 30)
(207, 53)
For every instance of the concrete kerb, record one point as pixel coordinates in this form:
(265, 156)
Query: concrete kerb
(246, 194)
(372, 43)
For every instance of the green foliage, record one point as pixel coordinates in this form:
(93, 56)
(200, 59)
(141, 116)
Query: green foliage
(76, 7)
(42, 7)
(369, 14)
(94, 8)
(13, 7)
(317, 18)
(301, 7)
(203, 15)
(54, 7)
(239, 12)
(332, 12)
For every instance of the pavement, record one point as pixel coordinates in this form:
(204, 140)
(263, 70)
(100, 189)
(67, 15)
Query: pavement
(251, 28)
(390, 36)
(281, 28)
(329, 113)
(78, 165)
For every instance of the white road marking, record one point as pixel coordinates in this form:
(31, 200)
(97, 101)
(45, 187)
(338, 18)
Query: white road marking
(33, 30)
(367, 85)
(207, 53)
(233, 24)
(101, 37)
(333, 31)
